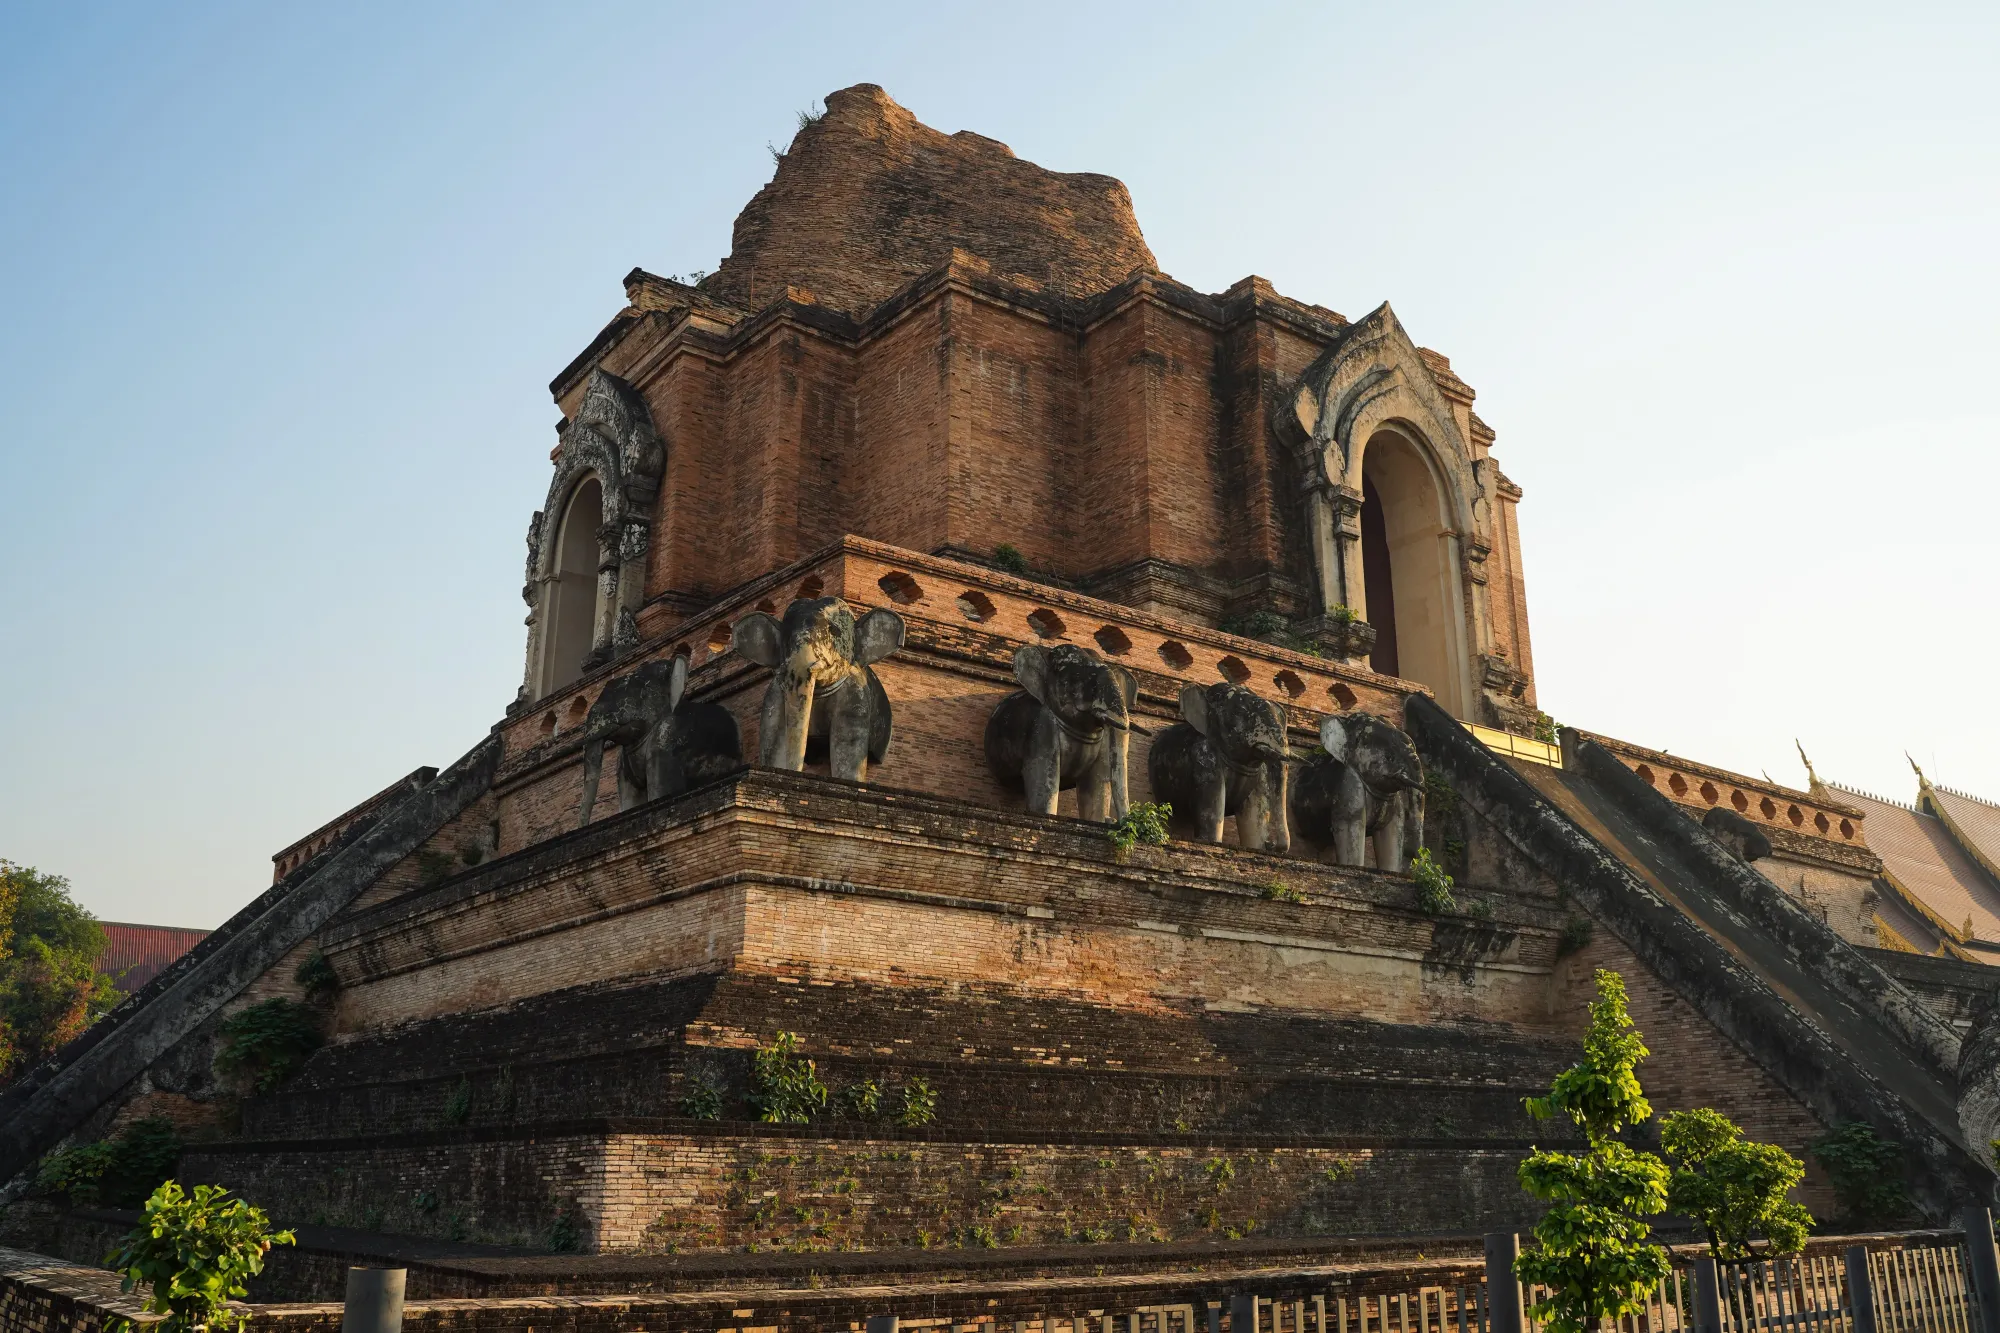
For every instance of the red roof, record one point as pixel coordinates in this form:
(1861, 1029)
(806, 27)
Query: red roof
(134, 955)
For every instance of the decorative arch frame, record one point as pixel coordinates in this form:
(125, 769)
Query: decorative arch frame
(612, 439)
(1375, 379)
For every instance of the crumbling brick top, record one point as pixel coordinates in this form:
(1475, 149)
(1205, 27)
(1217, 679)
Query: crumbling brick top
(868, 198)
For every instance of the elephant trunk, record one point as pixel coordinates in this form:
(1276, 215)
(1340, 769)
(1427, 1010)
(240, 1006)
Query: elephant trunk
(593, 769)
(787, 714)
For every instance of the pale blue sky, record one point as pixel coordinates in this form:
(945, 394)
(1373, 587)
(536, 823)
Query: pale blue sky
(281, 288)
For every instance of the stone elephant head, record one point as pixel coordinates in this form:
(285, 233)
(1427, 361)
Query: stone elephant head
(664, 745)
(1067, 726)
(1368, 784)
(823, 696)
(1226, 756)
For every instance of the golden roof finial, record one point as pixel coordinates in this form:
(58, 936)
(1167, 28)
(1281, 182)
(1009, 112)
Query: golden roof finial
(1812, 778)
(1922, 781)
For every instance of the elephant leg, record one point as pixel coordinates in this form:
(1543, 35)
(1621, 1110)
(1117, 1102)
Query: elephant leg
(847, 728)
(1413, 822)
(593, 771)
(1350, 821)
(1278, 826)
(1214, 804)
(630, 793)
(1117, 746)
(1041, 773)
(1093, 791)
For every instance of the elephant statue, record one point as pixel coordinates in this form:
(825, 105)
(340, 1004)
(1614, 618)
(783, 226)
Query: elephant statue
(664, 748)
(823, 699)
(1227, 756)
(1368, 784)
(1067, 726)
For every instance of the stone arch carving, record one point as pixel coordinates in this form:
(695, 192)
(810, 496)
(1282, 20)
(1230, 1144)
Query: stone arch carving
(610, 440)
(1373, 382)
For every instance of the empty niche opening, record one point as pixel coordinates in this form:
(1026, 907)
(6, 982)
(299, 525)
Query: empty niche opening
(1342, 696)
(1708, 792)
(1113, 640)
(1796, 815)
(1820, 821)
(1739, 800)
(1846, 828)
(718, 638)
(975, 606)
(1645, 775)
(900, 587)
(1677, 785)
(548, 724)
(1233, 670)
(1176, 656)
(811, 587)
(579, 709)
(1768, 807)
(1291, 684)
(1046, 623)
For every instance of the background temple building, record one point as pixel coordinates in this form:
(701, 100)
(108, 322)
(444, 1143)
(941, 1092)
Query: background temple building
(937, 431)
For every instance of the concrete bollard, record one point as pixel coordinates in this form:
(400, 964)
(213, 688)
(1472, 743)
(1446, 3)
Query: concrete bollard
(1243, 1315)
(374, 1301)
(884, 1323)
(1503, 1289)
(1860, 1290)
(1707, 1296)
(1985, 1265)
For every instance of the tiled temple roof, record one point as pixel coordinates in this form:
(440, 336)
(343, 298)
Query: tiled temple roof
(1934, 876)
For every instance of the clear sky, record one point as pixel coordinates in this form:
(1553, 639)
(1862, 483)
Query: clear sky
(282, 287)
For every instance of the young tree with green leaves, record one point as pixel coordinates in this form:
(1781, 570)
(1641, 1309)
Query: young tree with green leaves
(1591, 1250)
(194, 1253)
(50, 988)
(1733, 1186)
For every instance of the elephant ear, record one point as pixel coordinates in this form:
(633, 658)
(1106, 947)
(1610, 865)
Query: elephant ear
(1333, 737)
(758, 638)
(876, 635)
(1127, 683)
(1194, 707)
(1031, 668)
(677, 681)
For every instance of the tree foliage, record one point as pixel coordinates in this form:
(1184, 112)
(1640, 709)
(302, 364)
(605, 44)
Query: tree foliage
(1866, 1171)
(265, 1044)
(50, 988)
(1734, 1187)
(1591, 1250)
(194, 1253)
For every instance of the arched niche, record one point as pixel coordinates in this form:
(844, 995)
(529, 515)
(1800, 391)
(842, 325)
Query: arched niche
(1411, 590)
(572, 590)
(610, 457)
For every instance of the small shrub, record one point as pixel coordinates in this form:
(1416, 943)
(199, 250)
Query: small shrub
(1865, 1170)
(1144, 822)
(75, 1173)
(458, 1105)
(1480, 910)
(1546, 730)
(1009, 558)
(471, 853)
(1576, 933)
(565, 1233)
(317, 978)
(1440, 796)
(1258, 624)
(195, 1253)
(1433, 885)
(1339, 1172)
(265, 1044)
(917, 1104)
(863, 1100)
(503, 1090)
(434, 865)
(811, 116)
(785, 1085)
(1734, 1187)
(1276, 890)
(701, 1099)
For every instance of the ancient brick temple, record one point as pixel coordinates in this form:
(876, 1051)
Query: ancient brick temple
(940, 409)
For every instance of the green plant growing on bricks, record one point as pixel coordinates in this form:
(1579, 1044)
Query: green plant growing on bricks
(1591, 1250)
(1433, 885)
(1866, 1172)
(119, 1171)
(784, 1085)
(1144, 822)
(194, 1253)
(917, 1104)
(1734, 1187)
(265, 1044)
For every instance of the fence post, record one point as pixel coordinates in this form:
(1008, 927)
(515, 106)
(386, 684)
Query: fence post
(374, 1300)
(884, 1323)
(1503, 1289)
(1243, 1314)
(1707, 1295)
(1984, 1263)
(1860, 1290)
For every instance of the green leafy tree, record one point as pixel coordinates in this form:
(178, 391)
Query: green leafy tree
(1734, 1187)
(1433, 885)
(1591, 1250)
(266, 1043)
(785, 1086)
(1144, 822)
(50, 988)
(194, 1253)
